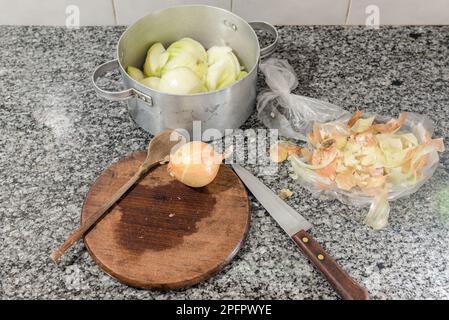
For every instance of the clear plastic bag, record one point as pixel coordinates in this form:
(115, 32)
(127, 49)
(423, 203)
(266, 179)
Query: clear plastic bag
(292, 114)
(295, 115)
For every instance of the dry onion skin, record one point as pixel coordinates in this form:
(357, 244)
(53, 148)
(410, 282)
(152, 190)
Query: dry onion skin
(365, 157)
(195, 164)
(285, 193)
(281, 150)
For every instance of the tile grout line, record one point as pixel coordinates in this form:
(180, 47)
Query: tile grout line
(232, 5)
(347, 12)
(114, 9)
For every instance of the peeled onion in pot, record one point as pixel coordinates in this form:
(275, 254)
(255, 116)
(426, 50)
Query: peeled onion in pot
(195, 164)
(181, 80)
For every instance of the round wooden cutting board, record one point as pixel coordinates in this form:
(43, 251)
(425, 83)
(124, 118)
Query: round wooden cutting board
(163, 234)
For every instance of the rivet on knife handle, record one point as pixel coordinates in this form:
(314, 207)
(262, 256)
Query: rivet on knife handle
(346, 287)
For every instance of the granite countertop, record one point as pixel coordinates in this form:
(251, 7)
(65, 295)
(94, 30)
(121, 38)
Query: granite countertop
(56, 137)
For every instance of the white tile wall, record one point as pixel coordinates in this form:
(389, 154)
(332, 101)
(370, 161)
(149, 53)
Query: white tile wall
(293, 11)
(110, 12)
(53, 12)
(400, 12)
(128, 11)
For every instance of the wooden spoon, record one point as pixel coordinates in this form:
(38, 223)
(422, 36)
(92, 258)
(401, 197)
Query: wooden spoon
(159, 150)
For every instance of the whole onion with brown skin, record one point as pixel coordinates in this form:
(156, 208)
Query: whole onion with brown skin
(195, 164)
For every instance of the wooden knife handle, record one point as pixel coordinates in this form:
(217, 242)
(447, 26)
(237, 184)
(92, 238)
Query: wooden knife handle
(345, 286)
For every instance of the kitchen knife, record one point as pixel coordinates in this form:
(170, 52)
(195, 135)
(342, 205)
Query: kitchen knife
(296, 227)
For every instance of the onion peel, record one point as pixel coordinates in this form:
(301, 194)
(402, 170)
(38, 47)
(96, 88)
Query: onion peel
(355, 117)
(366, 158)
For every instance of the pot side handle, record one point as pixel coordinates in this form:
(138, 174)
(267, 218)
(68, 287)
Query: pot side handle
(100, 71)
(268, 27)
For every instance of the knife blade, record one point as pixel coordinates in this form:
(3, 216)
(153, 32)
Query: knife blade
(296, 226)
(289, 219)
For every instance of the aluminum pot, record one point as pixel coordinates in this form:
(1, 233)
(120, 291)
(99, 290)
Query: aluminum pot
(153, 110)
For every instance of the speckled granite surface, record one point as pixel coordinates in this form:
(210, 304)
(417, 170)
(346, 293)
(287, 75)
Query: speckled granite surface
(56, 136)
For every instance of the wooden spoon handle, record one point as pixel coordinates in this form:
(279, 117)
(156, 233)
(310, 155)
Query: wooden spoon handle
(94, 218)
